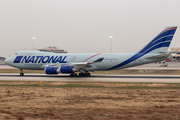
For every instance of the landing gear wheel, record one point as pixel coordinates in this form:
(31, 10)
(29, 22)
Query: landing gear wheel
(73, 75)
(80, 74)
(84, 74)
(88, 74)
(21, 74)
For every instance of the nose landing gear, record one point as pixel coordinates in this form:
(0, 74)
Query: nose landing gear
(21, 73)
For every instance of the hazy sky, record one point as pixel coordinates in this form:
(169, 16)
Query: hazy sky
(85, 25)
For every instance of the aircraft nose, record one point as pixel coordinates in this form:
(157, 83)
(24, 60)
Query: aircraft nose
(7, 61)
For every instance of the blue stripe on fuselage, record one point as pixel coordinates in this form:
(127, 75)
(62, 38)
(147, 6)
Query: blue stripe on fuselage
(136, 56)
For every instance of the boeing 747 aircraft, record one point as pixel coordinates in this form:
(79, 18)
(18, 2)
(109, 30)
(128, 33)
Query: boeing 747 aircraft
(83, 63)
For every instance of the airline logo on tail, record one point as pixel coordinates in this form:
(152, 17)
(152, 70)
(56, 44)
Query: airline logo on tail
(162, 40)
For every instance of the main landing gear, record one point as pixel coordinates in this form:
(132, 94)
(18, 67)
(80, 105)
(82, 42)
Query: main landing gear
(21, 73)
(73, 75)
(84, 74)
(80, 75)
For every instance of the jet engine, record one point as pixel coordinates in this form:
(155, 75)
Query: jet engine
(51, 70)
(62, 69)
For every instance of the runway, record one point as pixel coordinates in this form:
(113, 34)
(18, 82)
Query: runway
(93, 78)
(146, 66)
(98, 78)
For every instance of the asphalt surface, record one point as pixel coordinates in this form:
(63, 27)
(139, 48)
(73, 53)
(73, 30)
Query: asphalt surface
(99, 78)
(93, 78)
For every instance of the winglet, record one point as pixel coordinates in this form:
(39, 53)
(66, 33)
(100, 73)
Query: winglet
(159, 56)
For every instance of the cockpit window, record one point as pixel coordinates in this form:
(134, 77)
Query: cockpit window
(15, 54)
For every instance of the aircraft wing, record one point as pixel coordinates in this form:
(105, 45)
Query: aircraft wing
(83, 65)
(86, 64)
(159, 56)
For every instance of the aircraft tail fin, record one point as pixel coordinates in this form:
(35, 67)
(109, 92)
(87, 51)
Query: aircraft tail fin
(161, 42)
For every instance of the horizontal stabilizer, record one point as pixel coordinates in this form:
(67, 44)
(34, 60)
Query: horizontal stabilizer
(159, 56)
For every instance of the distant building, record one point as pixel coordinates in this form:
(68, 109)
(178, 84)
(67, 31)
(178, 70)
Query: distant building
(52, 49)
(177, 53)
(2, 60)
(175, 50)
